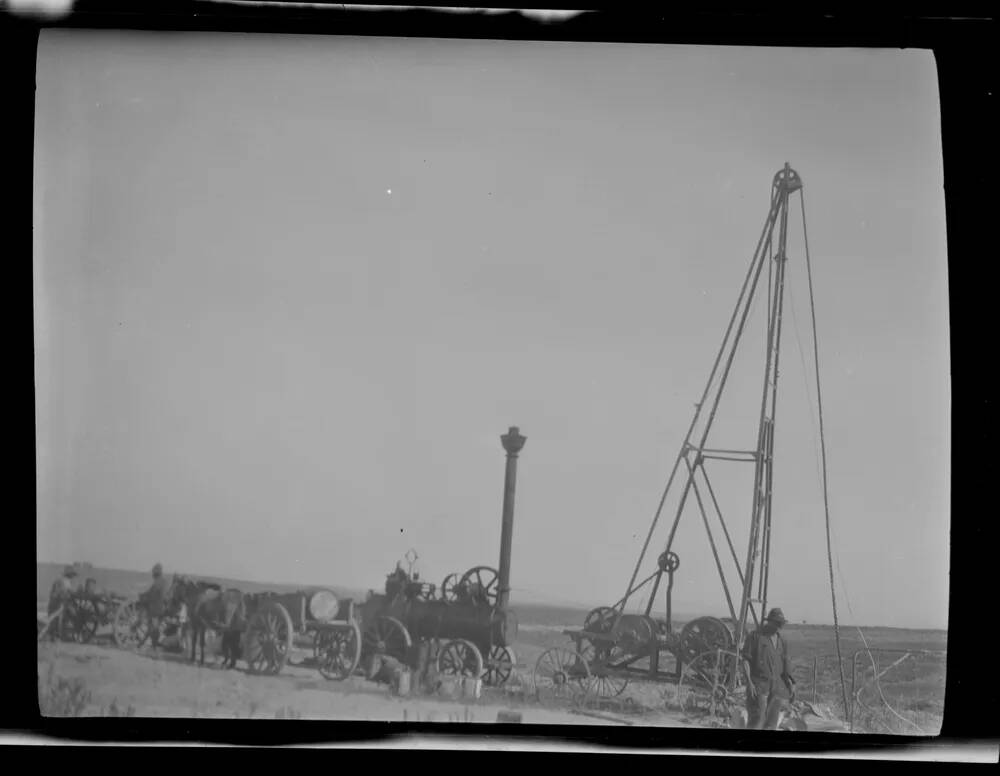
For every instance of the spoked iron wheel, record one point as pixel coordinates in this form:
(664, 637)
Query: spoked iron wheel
(499, 666)
(84, 620)
(482, 583)
(448, 592)
(386, 636)
(339, 651)
(131, 625)
(600, 658)
(268, 639)
(460, 657)
(319, 638)
(706, 685)
(562, 674)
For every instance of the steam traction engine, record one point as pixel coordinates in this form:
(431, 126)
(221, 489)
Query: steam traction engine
(466, 631)
(466, 626)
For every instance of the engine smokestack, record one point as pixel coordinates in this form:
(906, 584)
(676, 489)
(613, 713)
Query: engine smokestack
(512, 443)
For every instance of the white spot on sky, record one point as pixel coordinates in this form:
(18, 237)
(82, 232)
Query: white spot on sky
(388, 191)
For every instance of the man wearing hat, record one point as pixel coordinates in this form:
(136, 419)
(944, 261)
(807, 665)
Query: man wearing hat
(61, 596)
(771, 686)
(156, 600)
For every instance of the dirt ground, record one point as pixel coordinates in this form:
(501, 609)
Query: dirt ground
(165, 685)
(162, 683)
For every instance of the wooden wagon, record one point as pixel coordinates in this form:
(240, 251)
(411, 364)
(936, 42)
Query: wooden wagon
(274, 619)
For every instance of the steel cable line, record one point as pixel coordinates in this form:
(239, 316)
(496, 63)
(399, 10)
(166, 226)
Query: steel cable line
(822, 442)
(805, 382)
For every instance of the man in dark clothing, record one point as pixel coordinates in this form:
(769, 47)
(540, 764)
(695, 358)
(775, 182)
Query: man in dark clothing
(233, 625)
(61, 597)
(771, 686)
(156, 601)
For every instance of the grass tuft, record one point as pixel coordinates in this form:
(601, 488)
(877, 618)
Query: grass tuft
(61, 697)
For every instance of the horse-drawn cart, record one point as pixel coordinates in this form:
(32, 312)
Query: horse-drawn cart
(81, 616)
(132, 623)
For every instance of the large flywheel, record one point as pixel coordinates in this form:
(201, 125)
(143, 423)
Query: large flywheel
(703, 635)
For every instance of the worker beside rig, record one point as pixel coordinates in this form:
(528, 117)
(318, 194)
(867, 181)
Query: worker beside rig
(771, 687)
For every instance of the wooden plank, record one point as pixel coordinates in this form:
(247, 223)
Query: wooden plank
(597, 715)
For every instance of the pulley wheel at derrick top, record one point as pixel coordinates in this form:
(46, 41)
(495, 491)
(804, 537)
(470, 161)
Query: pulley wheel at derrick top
(703, 635)
(669, 562)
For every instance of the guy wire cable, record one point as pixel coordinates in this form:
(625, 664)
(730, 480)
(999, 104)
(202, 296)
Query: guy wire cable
(822, 442)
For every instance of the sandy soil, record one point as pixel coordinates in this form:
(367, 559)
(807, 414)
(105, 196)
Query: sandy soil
(165, 685)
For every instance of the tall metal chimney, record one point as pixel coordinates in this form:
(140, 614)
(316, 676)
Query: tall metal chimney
(512, 443)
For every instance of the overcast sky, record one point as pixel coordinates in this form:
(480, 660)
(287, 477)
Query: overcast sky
(289, 291)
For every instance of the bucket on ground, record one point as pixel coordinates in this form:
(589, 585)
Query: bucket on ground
(472, 688)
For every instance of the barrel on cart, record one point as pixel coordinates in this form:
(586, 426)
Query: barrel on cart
(274, 619)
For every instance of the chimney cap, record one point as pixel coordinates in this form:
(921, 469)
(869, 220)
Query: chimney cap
(513, 441)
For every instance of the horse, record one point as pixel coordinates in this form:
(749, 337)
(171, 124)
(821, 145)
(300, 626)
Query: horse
(209, 606)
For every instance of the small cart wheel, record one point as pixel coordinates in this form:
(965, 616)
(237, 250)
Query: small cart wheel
(268, 639)
(499, 666)
(460, 657)
(562, 674)
(85, 619)
(131, 625)
(339, 651)
(707, 684)
(601, 659)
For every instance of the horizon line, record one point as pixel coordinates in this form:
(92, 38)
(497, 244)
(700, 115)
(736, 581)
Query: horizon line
(549, 602)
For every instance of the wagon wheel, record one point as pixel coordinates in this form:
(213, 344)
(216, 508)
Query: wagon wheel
(499, 666)
(482, 582)
(84, 620)
(460, 657)
(386, 636)
(600, 620)
(562, 674)
(268, 639)
(599, 659)
(448, 592)
(340, 651)
(131, 625)
(703, 635)
(705, 685)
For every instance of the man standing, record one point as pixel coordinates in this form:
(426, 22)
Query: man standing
(771, 686)
(61, 597)
(156, 600)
